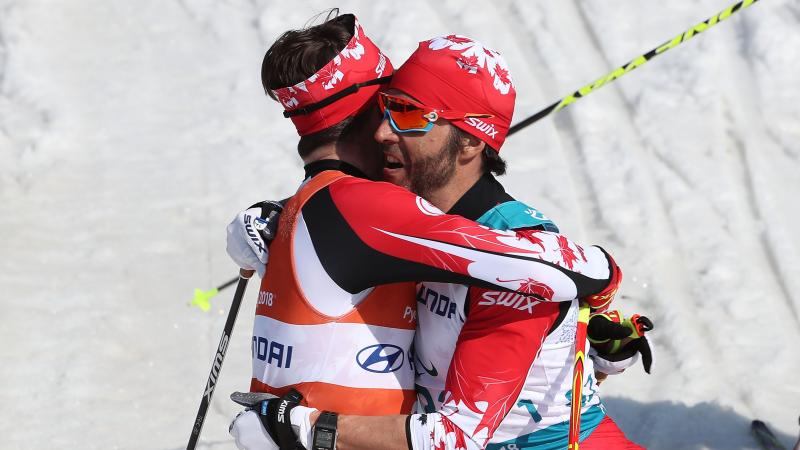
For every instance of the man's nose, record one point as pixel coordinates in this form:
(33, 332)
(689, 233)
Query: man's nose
(385, 134)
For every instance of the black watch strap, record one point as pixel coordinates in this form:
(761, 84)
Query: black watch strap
(325, 434)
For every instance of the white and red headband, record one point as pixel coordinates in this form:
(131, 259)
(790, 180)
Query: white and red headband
(340, 89)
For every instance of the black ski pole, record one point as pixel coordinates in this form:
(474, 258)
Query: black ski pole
(216, 365)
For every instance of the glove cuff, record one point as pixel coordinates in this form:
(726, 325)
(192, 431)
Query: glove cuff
(276, 416)
(300, 417)
(612, 364)
(600, 302)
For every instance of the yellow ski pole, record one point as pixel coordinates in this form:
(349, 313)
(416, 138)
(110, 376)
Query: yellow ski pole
(636, 62)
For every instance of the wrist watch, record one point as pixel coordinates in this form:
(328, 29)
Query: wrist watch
(324, 435)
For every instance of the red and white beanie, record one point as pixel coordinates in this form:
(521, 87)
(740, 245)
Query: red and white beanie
(359, 61)
(458, 73)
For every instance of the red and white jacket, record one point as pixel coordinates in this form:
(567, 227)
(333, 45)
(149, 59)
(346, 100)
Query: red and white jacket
(321, 325)
(494, 368)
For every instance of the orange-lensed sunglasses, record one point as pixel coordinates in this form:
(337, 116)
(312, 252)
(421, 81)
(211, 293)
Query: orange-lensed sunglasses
(406, 115)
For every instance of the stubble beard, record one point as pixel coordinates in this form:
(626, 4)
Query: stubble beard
(435, 171)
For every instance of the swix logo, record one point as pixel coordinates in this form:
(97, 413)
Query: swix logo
(248, 227)
(381, 65)
(381, 358)
(282, 410)
(212, 377)
(485, 128)
(510, 299)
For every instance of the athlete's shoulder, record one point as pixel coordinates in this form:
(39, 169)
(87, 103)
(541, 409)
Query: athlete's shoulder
(386, 198)
(351, 183)
(516, 215)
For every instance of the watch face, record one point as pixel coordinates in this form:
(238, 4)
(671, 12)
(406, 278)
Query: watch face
(323, 438)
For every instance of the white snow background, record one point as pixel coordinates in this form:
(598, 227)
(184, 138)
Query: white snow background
(131, 132)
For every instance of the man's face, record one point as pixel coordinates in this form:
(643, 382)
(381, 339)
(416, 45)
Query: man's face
(369, 155)
(422, 162)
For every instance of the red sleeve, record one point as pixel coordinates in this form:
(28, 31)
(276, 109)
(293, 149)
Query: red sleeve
(480, 392)
(375, 233)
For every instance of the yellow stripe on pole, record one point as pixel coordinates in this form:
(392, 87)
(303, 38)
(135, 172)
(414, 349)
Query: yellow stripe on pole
(633, 64)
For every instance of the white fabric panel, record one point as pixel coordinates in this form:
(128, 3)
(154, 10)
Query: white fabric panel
(319, 289)
(507, 272)
(548, 381)
(331, 353)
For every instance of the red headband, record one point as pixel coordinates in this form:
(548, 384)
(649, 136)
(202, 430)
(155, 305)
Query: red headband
(340, 89)
(458, 73)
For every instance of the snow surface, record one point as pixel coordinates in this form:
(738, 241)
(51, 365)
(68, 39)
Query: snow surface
(131, 132)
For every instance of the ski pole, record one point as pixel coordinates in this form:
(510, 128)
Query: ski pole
(629, 66)
(201, 297)
(577, 379)
(216, 365)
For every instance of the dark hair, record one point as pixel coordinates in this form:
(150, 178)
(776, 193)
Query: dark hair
(492, 162)
(298, 54)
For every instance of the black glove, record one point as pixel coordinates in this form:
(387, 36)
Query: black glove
(616, 338)
(274, 414)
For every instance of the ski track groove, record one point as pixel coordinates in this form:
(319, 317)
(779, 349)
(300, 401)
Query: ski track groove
(674, 170)
(630, 123)
(259, 10)
(746, 54)
(746, 44)
(580, 190)
(3, 53)
(784, 148)
(713, 344)
(4, 57)
(794, 10)
(194, 17)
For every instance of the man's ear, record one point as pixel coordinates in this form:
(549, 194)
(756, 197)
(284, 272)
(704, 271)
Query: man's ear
(471, 146)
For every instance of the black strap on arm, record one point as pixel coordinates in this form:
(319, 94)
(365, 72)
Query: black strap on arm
(325, 432)
(275, 417)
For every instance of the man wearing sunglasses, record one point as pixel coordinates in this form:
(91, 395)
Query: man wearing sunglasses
(342, 234)
(445, 115)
